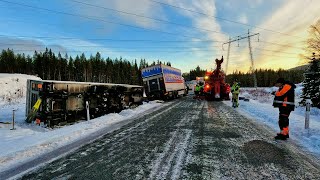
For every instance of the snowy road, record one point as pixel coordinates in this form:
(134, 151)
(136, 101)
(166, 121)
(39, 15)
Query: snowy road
(191, 139)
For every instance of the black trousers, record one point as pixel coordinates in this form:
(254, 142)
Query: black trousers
(284, 113)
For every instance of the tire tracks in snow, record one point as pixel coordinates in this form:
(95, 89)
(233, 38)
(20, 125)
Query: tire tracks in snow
(41, 161)
(228, 145)
(122, 153)
(189, 139)
(169, 164)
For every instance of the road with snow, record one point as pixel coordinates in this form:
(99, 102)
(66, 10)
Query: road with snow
(190, 139)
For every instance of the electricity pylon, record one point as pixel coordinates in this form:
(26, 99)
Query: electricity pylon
(252, 69)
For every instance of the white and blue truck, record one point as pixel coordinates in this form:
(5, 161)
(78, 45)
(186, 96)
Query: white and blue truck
(163, 82)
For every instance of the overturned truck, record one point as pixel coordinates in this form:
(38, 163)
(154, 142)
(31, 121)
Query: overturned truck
(163, 82)
(61, 102)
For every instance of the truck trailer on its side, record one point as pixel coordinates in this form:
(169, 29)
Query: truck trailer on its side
(163, 82)
(61, 102)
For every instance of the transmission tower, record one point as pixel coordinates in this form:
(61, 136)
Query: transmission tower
(252, 69)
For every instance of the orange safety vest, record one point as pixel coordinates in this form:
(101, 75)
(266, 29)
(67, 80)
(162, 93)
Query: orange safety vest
(285, 97)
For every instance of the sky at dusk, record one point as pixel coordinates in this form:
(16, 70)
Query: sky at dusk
(185, 32)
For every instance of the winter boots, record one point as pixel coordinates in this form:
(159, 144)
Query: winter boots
(281, 136)
(284, 134)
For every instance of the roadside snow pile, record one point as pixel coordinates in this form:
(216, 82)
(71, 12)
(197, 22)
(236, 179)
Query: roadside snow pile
(29, 141)
(260, 108)
(13, 87)
(264, 95)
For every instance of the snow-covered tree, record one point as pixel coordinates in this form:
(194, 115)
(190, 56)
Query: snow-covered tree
(311, 82)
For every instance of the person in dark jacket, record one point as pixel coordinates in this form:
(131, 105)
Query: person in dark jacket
(284, 100)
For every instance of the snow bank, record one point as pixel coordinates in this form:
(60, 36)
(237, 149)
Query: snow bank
(13, 87)
(29, 140)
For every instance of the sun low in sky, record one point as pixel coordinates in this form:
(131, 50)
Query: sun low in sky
(185, 32)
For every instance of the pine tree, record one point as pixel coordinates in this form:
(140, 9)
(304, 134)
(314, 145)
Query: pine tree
(311, 82)
(71, 68)
(109, 67)
(29, 66)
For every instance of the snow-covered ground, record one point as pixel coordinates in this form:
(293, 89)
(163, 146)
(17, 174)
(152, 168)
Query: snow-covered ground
(29, 141)
(260, 108)
(13, 87)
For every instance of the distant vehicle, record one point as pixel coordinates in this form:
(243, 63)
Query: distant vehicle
(200, 80)
(163, 82)
(191, 85)
(215, 87)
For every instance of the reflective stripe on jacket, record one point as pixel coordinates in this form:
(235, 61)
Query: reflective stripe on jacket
(285, 96)
(235, 88)
(197, 88)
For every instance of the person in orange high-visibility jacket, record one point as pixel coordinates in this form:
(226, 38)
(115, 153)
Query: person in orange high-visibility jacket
(284, 100)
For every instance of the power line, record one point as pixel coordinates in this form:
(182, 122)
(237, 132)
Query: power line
(114, 51)
(247, 36)
(57, 25)
(142, 16)
(133, 14)
(261, 49)
(107, 39)
(106, 46)
(286, 45)
(116, 23)
(109, 22)
(272, 55)
(223, 19)
(136, 51)
(274, 51)
(277, 51)
(29, 22)
(94, 18)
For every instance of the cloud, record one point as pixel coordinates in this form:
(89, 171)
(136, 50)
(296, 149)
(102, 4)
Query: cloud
(141, 7)
(255, 3)
(20, 45)
(293, 22)
(129, 7)
(202, 22)
(57, 48)
(243, 19)
(71, 46)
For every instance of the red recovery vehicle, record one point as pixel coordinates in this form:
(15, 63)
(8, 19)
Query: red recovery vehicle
(215, 87)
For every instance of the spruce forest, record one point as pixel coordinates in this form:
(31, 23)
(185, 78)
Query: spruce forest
(50, 66)
(265, 77)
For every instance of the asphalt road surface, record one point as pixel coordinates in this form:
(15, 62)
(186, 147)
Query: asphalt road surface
(190, 139)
